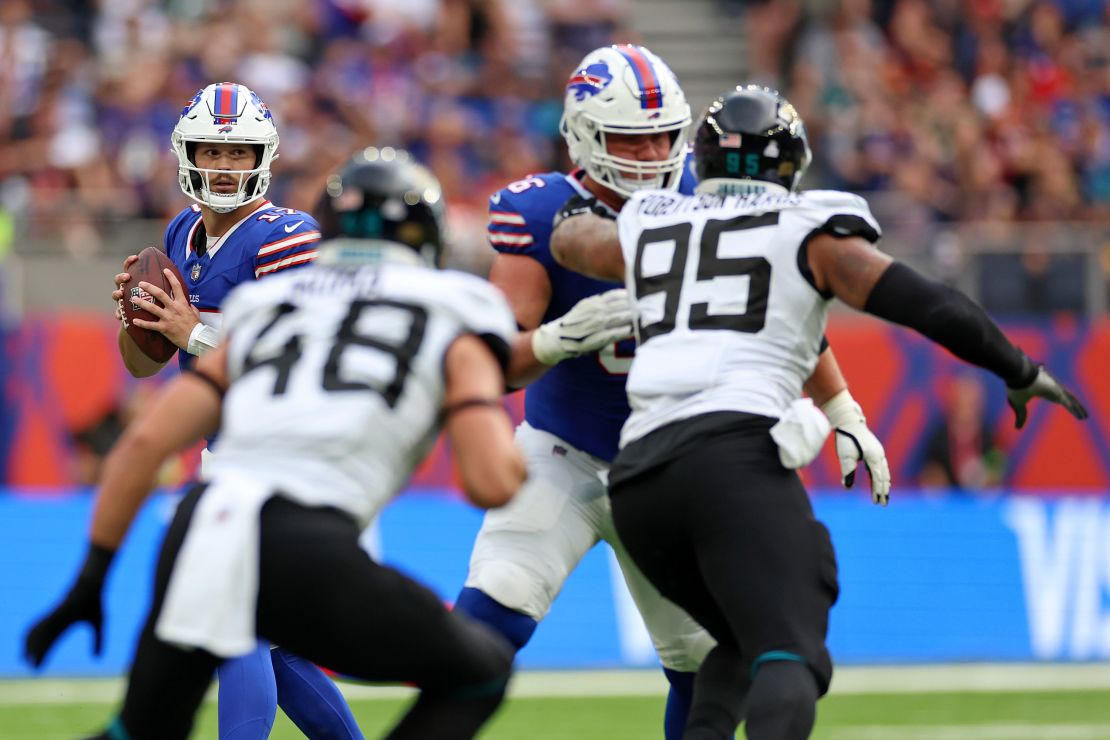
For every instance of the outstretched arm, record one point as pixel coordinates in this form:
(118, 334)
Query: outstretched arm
(590, 325)
(868, 280)
(187, 409)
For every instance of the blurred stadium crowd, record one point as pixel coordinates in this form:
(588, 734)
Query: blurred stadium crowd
(991, 111)
(979, 130)
(90, 90)
(954, 111)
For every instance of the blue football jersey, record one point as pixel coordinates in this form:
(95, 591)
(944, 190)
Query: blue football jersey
(581, 400)
(267, 240)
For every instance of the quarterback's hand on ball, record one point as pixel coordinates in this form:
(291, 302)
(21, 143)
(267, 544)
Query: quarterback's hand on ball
(81, 604)
(120, 279)
(578, 204)
(1044, 385)
(855, 442)
(176, 316)
(594, 323)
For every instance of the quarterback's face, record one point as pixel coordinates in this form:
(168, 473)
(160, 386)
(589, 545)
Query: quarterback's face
(640, 147)
(228, 159)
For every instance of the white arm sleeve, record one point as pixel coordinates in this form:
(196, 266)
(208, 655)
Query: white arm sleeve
(203, 340)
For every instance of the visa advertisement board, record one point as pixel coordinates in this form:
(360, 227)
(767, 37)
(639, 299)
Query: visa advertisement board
(940, 578)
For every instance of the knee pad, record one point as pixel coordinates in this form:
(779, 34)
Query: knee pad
(684, 653)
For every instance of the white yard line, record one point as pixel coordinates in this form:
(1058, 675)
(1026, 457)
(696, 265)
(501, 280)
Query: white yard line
(976, 677)
(970, 732)
(847, 680)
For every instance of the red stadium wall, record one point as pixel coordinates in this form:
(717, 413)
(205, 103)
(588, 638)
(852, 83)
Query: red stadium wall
(62, 374)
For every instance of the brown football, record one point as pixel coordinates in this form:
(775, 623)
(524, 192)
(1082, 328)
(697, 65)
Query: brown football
(148, 268)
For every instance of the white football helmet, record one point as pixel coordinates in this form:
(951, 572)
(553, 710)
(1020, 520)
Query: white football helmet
(624, 89)
(225, 112)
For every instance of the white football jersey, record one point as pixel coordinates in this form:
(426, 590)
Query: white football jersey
(727, 318)
(337, 377)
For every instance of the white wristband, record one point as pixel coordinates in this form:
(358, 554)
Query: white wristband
(545, 344)
(842, 409)
(203, 339)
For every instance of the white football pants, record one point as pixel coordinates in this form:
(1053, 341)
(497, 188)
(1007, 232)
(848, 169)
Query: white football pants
(527, 548)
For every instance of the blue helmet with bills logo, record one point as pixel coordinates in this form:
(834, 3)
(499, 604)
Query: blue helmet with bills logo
(750, 138)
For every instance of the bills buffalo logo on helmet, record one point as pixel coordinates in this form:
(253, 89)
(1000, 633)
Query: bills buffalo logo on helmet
(190, 104)
(589, 81)
(262, 107)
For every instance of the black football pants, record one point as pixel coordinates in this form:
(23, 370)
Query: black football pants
(322, 597)
(728, 533)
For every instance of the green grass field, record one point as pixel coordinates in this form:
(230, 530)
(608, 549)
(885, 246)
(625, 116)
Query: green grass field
(1063, 710)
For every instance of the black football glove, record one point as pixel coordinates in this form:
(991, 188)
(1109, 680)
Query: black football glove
(81, 604)
(578, 204)
(1045, 386)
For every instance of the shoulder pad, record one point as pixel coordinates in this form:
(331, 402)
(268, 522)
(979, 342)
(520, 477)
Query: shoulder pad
(481, 309)
(476, 303)
(835, 199)
(529, 193)
(287, 222)
(842, 214)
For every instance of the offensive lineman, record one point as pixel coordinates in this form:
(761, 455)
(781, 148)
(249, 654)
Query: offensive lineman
(732, 288)
(625, 124)
(225, 141)
(333, 383)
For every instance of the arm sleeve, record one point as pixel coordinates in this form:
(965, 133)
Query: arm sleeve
(950, 319)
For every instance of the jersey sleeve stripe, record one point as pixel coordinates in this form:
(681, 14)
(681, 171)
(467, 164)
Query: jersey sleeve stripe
(292, 241)
(500, 217)
(510, 240)
(281, 264)
(507, 229)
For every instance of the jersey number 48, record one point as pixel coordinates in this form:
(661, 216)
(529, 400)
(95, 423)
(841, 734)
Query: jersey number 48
(347, 336)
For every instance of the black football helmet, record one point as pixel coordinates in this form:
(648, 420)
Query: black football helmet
(383, 196)
(750, 134)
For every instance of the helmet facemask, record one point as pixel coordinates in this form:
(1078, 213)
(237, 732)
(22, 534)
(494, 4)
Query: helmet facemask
(623, 175)
(251, 124)
(625, 90)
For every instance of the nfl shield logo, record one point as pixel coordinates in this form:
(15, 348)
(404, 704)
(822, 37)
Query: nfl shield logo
(195, 274)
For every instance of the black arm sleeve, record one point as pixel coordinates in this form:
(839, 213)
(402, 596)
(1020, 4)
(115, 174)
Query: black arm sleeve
(950, 319)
